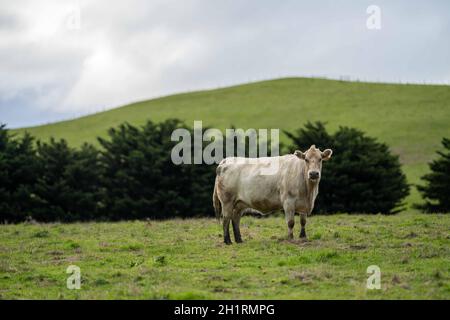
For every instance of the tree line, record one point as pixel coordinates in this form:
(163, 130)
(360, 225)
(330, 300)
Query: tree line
(131, 176)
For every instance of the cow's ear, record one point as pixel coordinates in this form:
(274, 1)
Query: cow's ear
(326, 154)
(299, 154)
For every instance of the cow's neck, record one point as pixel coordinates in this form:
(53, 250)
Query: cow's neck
(312, 189)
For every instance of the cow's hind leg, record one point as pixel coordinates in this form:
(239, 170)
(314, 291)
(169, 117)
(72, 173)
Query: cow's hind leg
(227, 214)
(236, 227)
(226, 230)
(303, 224)
(289, 211)
(236, 220)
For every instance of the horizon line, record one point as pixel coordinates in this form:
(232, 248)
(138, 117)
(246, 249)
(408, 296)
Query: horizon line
(342, 78)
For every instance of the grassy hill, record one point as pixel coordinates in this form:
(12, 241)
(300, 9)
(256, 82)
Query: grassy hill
(138, 260)
(411, 119)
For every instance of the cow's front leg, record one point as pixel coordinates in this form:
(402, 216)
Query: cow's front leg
(289, 211)
(303, 225)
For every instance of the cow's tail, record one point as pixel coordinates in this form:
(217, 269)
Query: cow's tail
(216, 202)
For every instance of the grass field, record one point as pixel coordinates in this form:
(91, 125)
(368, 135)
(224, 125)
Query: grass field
(186, 259)
(411, 119)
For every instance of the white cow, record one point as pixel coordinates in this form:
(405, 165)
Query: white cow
(241, 186)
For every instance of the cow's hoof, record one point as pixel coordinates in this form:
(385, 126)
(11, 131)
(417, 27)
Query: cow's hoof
(239, 240)
(227, 242)
(303, 239)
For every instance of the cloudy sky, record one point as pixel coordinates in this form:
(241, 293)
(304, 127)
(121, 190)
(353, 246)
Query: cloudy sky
(64, 58)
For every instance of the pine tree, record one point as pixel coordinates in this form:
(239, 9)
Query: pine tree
(83, 177)
(141, 181)
(68, 188)
(362, 176)
(436, 188)
(18, 174)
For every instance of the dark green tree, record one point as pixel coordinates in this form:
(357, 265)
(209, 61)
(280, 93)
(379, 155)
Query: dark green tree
(141, 180)
(362, 176)
(83, 176)
(68, 188)
(18, 174)
(436, 188)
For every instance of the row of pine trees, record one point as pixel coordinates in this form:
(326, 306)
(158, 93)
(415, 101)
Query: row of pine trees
(130, 175)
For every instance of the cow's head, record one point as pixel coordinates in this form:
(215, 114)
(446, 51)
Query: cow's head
(313, 158)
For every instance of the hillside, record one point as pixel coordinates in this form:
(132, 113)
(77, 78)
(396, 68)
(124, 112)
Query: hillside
(411, 119)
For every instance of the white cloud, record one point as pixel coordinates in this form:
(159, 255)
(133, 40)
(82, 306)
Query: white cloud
(115, 74)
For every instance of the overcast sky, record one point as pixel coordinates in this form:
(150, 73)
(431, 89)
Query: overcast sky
(65, 58)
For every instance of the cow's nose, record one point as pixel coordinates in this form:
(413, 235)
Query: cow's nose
(314, 175)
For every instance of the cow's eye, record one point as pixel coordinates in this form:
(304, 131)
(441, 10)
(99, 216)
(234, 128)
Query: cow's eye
(307, 160)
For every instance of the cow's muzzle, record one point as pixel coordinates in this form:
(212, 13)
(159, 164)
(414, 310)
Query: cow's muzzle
(314, 175)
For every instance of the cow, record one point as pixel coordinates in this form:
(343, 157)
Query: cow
(240, 186)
